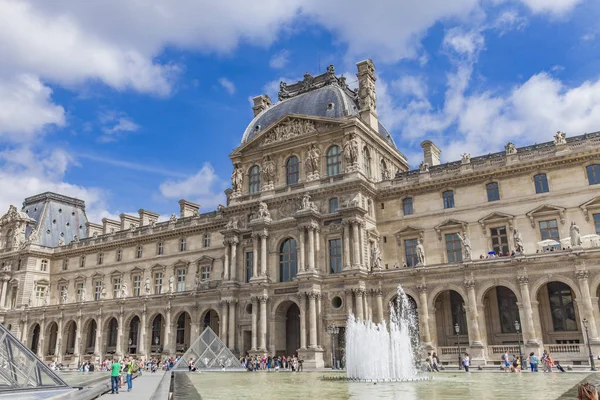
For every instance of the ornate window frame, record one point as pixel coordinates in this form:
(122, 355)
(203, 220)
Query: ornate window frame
(208, 262)
(450, 226)
(543, 212)
(540, 172)
(407, 233)
(590, 207)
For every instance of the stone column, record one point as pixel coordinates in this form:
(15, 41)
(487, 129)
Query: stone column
(77, 337)
(317, 240)
(233, 261)
(41, 341)
(168, 345)
(359, 293)
(231, 339)
(346, 250)
(349, 301)
(355, 245)
(367, 305)
(302, 301)
(255, 255)
(142, 334)
(473, 318)
(4, 290)
(25, 331)
(255, 312)
(119, 350)
(319, 321)
(586, 301)
(59, 335)
(97, 344)
(263, 322)
(527, 324)
(424, 314)
(312, 306)
(301, 250)
(226, 260)
(224, 321)
(380, 312)
(263, 254)
(311, 248)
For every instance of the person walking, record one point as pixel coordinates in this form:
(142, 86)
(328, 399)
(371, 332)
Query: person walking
(466, 361)
(115, 374)
(130, 370)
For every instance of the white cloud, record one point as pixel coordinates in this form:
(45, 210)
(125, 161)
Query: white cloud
(556, 7)
(464, 43)
(205, 188)
(227, 85)
(509, 20)
(280, 59)
(115, 124)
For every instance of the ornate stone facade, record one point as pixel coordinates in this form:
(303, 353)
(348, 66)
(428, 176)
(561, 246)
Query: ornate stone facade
(304, 241)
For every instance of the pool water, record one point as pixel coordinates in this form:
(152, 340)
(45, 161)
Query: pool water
(444, 386)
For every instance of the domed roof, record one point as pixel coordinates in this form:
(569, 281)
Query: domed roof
(321, 96)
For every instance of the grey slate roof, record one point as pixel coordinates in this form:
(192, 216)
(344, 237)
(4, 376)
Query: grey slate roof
(58, 217)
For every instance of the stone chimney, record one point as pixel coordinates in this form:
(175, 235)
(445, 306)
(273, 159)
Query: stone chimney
(127, 221)
(187, 208)
(91, 228)
(261, 103)
(431, 153)
(146, 216)
(110, 225)
(366, 94)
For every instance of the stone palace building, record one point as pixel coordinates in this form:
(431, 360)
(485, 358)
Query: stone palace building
(324, 218)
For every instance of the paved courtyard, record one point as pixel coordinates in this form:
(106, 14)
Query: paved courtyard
(143, 387)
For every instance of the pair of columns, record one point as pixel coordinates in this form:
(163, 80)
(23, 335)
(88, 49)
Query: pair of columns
(311, 233)
(4, 293)
(228, 323)
(353, 242)
(314, 322)
(259, 337)
(230, 264)
(259, 240)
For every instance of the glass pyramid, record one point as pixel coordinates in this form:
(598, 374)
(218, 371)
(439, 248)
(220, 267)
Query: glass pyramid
(208, 352)
(20, 369)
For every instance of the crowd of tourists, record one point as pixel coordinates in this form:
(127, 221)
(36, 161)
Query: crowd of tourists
(268, 363)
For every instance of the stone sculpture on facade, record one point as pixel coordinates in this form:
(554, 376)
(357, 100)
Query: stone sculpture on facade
(197, 279)
(173, 219)
(124, 290)
(237, 179)
(147, 286)
(351, 152)
(47, 297)
(82, 294)
(288, 130)
(466, 246)
(34, 236)
(232, 224)
(171, 284)
(423, 167)
(575, 236)
(376, 259)
(268, 173)
(560, 138)
(307, 204)
(367, 98)
(312, 163)
(466, 158)
(63, 296)
(518, 239)
(420, 254)
(103, 291)
(510, 148)
(263, 210)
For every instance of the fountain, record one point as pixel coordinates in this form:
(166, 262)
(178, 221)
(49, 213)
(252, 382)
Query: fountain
(376, 352)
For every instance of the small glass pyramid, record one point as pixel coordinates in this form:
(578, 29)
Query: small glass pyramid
(208, 352)
(20, 369)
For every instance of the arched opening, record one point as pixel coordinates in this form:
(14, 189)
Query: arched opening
(287, 326)
(501, 313)
(71, 334)
(183, 332)
(35, 339)
(157, 325)
(415, 328)
(449, 312)
(134, 335)
(559, 318)
(288, 260)
(90, 340)
(211, 319)
(113, 331)
(53, 337)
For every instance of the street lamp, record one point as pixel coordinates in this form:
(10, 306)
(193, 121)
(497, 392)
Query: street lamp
(518, 328)
(457, 330)
(587, 338)
(333, 331)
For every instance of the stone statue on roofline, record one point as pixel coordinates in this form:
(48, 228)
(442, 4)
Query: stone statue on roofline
(575, 236)
(518, 239)
(420, 254)
(376, 261)
(560, 138)
(263, 210)
(237, 178)
(466, 245)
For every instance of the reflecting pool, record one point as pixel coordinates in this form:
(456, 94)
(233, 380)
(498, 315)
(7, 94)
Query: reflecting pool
(445, 386)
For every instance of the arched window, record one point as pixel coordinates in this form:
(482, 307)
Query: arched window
(254, 179)
(593, 173)
(113, 329)
(493, 192)
(292, 170)
(180, 335)
(367, 162)
(333, 204)
(448, 196)
(383, 168)
(334, 161)
(288, 260)
(156, 332)
(541, 183)
(561, 307)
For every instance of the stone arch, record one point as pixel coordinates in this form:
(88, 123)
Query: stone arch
(595, 284)
(432, 296)
(280, 301)
(70, 336)
(558, 312)
(133, 328)
(89, 333)
(279, 239)
(52, 334)
(182, 331)
(535, 287)
(110, 332)
(210, 316)
(35, 332)
(500, 301)
(286, 321)
(409, 292)
(484, 287)
(448, 307)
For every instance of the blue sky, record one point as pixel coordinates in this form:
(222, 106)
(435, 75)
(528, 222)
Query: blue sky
(131, 104)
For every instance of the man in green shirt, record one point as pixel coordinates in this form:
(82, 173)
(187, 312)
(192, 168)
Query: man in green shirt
(114, 376)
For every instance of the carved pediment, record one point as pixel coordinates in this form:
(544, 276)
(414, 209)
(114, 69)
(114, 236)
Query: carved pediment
(136, 271)
(205, 260)
(546, 210)
(80, 278)
(63, 281)
(408, 231)
(180, 263)
(589, 206)
(43, 282)
(98, 275)
(158, 267)
(116, 272)
(494, 218)
(13, 215)
(449, 225)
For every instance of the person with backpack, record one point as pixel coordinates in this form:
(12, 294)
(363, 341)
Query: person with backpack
(131, 368)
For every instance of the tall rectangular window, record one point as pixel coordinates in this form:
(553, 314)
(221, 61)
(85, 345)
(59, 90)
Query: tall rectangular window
(410, 249)
(593, 172)
(97, 290)
(158, 278)
(139, 252)
(458, 312)
(100, 258)
(182, 244)
(116, 288)
(334, 161)
(44, 265)
(453, 247)
(254, 179)
(137, 285)
(40, 295)
(249, 265)
(333, 205)
(181, 280)
(493, 192)
(82, 262)
(448, 197)
(160, 248)
(561, 307)
(549, 231)
(507, 308)
(79, 287)
(119, 256)
(499, 240)
(207, 239)
(541, 183)
(65, 264)
(205, 273)
(407, 206)
(335, 256)
(597, 223)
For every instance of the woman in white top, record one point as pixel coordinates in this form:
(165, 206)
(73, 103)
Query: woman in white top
(466, 361)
